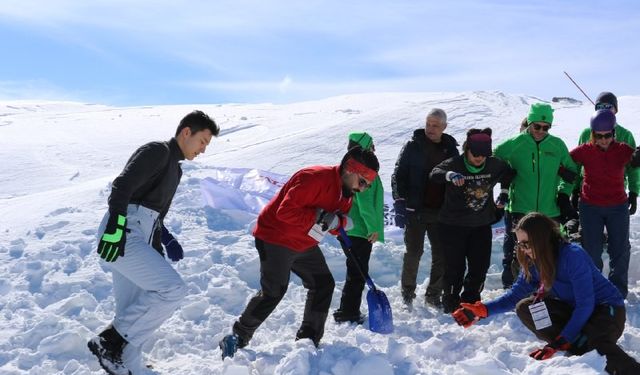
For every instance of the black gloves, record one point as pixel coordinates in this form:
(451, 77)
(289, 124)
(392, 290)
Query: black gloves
(567, 212)
(400, 207)
(111, 245)
(174, 250)
(566, 174)
(633, 202)
(575, 199)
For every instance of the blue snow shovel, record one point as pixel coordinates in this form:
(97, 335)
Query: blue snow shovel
(380, 318)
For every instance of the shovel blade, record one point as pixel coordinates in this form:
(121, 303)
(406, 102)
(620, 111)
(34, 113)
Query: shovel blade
(380, 317)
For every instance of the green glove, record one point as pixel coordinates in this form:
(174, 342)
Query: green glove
(111, 244)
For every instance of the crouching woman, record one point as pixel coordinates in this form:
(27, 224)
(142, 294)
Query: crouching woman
(561, 297)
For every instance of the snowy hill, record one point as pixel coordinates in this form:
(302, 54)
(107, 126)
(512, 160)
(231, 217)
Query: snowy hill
(58, 161)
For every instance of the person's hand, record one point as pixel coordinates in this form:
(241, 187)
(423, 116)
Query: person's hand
(633, 202)
(559, 344)
(373, 237)
(469, 313)
(400, 207)
(174, 249)
(503, 198)
(455, 178)
(111, 245)
(567, 212)
(332, 222)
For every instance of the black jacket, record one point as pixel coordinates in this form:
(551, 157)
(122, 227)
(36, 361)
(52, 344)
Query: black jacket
(150, 178)
(472, 204)
(410, 179)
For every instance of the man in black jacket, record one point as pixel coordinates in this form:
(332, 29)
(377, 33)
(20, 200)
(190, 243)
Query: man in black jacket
(147, 290)
(418, 200)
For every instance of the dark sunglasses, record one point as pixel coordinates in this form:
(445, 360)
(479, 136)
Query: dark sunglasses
(604, 106)
(603, 135)
(541, 127)
(522, 245)
(363, 183)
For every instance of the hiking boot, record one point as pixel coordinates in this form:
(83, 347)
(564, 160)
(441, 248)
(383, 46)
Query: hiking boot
(433, 300)
(306, 332)
(230, 344)
(108, 346)
(342, 316)
(450, 303)
(407, 297)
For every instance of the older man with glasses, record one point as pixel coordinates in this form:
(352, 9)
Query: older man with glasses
(536, 156)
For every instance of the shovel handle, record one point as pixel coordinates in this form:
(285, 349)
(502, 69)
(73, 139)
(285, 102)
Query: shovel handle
(347, 251)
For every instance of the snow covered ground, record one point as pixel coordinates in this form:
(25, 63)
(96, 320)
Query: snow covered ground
(58, 159)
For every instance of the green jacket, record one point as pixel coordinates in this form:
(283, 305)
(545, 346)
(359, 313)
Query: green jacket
(367, 210)
(537, 183)
(631, 175)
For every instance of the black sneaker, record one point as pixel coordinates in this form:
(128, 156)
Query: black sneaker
(108, 346)
(341, 316)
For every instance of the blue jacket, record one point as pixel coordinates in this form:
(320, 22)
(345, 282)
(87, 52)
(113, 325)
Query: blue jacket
(578, 283)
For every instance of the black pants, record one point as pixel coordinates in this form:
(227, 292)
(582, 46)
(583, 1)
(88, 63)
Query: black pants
(509, 262)
(465, 245)
(601, 332)
(418, 225)
(354, 284)
(276, 264)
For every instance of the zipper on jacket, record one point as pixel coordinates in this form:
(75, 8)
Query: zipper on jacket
(538, 182)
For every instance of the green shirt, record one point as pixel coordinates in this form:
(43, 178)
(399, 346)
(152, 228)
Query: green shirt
(537, 183)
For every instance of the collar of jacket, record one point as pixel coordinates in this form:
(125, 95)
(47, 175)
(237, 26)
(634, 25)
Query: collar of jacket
(175, 153)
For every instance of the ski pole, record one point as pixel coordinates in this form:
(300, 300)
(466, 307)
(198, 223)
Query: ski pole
(583, 93)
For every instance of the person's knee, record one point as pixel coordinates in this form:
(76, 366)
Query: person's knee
(522, 310)
(174, 292)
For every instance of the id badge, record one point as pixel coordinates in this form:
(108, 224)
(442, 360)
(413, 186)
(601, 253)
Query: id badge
(316, 232)
(540, 315)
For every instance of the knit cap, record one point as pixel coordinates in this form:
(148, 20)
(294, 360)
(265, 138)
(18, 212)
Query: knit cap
(540, 112)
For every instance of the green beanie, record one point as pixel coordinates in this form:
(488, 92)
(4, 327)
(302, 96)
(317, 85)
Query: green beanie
(540, 112)
(362, 139)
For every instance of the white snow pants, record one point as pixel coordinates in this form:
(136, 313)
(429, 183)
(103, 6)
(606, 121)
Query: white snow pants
(146, 288)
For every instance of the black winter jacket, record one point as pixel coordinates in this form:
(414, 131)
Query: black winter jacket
(410, 179)
(150, 178)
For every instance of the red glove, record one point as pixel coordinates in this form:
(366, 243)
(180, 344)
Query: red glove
(469, 313)
(560, 343)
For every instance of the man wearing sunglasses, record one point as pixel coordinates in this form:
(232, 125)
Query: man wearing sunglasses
(287, 234)
(536, 156)
(607, 100)
(603, 199)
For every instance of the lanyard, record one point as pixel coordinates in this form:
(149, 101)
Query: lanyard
(539, 293)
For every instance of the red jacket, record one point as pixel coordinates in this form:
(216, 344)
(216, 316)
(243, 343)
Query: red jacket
(288, 217)
(603, 183)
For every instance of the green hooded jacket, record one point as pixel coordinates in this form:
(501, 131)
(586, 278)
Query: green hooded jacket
(536, 184)
(367, 210)
(632, 175)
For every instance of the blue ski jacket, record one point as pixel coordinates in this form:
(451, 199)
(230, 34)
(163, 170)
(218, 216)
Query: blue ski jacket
(578, 283)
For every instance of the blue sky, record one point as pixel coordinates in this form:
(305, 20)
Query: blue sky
(139, 52)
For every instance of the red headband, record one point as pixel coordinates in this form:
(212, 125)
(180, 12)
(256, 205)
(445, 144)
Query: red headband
(354, 166)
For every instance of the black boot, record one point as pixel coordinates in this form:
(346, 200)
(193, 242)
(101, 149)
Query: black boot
(341, 316)
(108, 346)
(306, 332)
